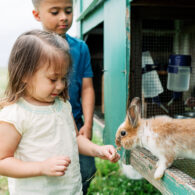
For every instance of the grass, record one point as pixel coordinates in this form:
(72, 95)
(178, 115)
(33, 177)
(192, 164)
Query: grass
(3, 186)
(110, 180)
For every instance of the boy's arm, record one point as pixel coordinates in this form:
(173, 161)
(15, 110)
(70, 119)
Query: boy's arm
(12, 167)
(88, 100)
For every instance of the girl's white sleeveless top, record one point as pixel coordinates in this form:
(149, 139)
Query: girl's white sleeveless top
(46, 131)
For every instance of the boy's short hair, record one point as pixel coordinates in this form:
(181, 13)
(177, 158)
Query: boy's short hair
(36, 3)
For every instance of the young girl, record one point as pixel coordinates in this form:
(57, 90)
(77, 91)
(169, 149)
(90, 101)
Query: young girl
(38, 140)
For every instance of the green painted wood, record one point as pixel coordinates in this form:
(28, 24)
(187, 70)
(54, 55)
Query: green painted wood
(174, 180)
(86, 3)
(93, 19)
(90, 16)
(87, 8)
(90, 8)
(128, 43)
(175, 187)
(115, 73)
(128, 47)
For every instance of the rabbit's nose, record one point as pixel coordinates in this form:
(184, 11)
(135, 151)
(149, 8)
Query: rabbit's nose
(123, 133)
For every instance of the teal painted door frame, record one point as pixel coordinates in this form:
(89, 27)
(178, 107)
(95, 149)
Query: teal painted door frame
(115, 67)
(116, 58)
(91, 16)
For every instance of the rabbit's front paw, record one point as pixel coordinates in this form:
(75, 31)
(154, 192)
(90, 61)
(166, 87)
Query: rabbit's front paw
(159, 171)
(157, 164)
(158, 174)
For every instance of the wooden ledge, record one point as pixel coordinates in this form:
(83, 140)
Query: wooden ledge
(178, 179)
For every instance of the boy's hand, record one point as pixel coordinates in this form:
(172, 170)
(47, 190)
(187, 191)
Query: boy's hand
(55, 166)
(86, 132)
(108, 152)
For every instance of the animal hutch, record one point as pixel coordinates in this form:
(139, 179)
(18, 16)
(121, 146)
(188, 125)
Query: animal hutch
(143, 48)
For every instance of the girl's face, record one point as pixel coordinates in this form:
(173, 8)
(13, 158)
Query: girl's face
(55, 15)
(45, 85)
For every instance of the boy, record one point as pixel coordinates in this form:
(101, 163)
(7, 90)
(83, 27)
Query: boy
(56, 16)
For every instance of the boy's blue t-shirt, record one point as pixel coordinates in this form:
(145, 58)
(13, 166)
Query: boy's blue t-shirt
(81, 69)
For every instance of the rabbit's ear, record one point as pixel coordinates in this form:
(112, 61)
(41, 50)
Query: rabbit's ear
(134, 112)
(135, 101)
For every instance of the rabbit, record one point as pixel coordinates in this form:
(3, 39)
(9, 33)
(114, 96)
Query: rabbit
(165, 137)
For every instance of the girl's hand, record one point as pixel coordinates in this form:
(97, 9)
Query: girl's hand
(55, 166)
(108, 152)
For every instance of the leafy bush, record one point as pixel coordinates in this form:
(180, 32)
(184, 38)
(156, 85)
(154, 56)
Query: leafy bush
(109, 180)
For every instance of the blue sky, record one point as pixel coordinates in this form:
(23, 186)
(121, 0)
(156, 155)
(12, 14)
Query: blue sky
(15, 18)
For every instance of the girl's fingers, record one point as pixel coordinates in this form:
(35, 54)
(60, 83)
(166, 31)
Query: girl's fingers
(114, 155)
(63, 158)
(107, 154)
(116, 158)
(63, 162)
(110, 153)
(61, 168)
(59, 173)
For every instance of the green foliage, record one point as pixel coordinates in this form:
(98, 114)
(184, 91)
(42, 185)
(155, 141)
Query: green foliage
(109, 180)
(3, 186)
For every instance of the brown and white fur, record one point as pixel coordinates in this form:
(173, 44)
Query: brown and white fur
(163, 136)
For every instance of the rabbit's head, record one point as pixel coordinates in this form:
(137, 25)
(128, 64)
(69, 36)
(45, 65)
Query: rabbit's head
(126, 135)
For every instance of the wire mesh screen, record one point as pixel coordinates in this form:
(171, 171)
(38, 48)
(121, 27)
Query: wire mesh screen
(167, 62)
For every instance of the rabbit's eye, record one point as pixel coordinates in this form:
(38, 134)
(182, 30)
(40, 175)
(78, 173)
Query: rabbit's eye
(123, 133)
